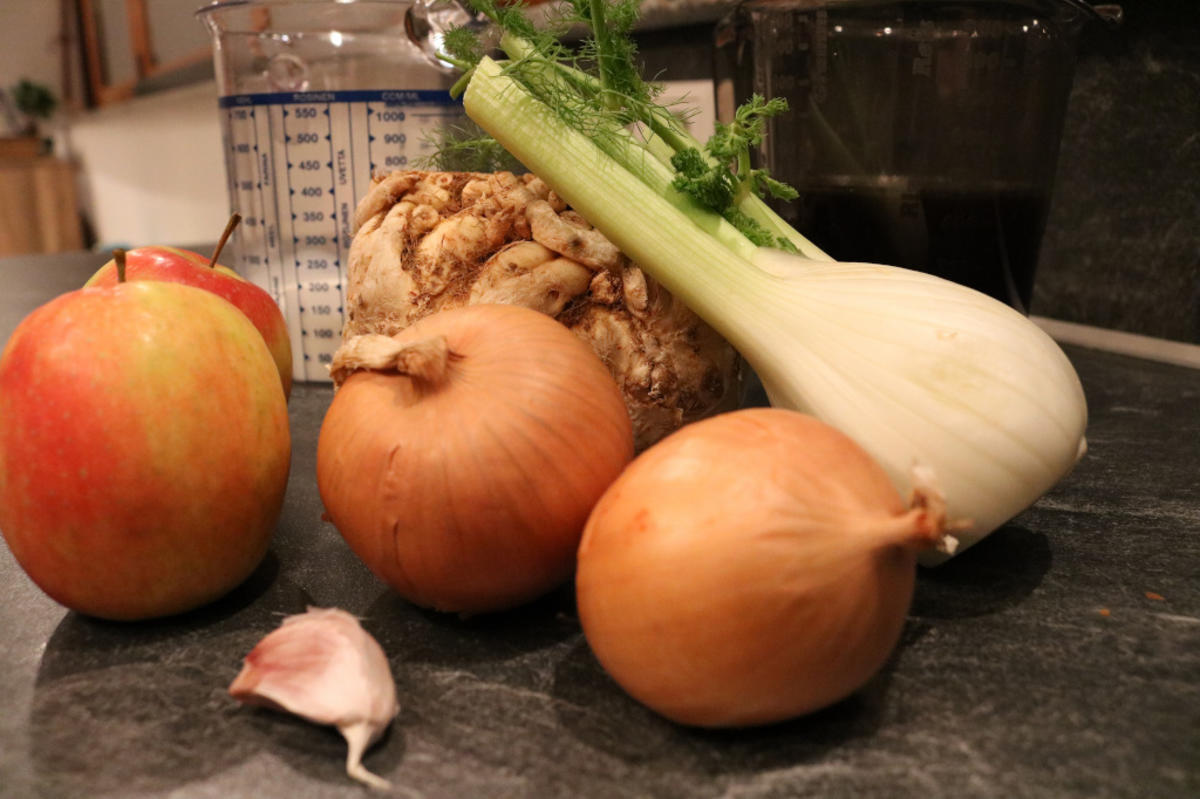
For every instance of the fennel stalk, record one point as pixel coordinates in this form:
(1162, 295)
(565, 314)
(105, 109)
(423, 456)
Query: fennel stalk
(923, 373)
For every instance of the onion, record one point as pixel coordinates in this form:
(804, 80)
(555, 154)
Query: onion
(749, 568)
(461, 457)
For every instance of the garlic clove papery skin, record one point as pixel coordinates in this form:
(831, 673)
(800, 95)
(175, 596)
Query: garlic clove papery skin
(920, 371)
(324, 667)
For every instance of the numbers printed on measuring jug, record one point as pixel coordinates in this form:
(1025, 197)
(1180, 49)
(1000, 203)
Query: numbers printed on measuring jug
(298, 163)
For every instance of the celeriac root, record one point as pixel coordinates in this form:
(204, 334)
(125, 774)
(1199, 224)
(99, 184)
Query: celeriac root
(431, 241)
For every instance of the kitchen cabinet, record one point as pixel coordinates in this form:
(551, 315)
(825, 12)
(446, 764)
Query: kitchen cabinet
(39, 206)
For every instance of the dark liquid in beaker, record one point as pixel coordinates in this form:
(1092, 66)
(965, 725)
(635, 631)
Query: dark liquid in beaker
(987, 239)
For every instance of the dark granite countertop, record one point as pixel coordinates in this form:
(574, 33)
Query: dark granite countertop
(1058, 658)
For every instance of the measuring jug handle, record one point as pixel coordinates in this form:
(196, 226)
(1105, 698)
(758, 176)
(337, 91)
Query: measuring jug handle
(428, 21)
(1108, 13)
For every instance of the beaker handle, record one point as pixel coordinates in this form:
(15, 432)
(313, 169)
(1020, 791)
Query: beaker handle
(428, 21)
(1110, 14)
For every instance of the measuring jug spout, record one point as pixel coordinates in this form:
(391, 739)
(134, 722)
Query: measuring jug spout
(1108, 13)
(429, 20)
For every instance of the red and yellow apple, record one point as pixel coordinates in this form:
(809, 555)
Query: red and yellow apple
(174, 265)
(144, 448)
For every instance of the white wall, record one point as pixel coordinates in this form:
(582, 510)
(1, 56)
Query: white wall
(152, 169)
(29, 44)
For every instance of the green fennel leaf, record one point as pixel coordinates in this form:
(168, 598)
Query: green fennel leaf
(465, 147)
(597, 89)
(721, 181)
(462, 47)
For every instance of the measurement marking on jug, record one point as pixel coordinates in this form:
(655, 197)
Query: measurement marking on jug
(261, 162)
(344, 208)
(350, 138)
(268, 179)
(391, 137)
(334, 174)
(312, 214)
(321, 148)
(302, 310)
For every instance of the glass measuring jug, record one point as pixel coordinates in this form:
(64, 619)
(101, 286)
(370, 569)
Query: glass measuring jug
(315, 97)
(922, 133)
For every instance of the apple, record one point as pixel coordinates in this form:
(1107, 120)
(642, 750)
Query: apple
(144, 448)
(174, 265)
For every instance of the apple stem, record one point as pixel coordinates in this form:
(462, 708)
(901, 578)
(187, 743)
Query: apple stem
(119, 257)
(229, 227)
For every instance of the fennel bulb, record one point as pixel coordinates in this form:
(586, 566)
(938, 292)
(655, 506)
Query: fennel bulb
(921, 372)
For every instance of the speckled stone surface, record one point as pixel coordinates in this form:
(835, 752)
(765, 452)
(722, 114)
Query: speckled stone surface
(1058, 658)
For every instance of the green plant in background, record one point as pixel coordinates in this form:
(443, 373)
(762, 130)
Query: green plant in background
(35, 103)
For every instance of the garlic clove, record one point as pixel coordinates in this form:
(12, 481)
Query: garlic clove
(359, 736)
(324, 667)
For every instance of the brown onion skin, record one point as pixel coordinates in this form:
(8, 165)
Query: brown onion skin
(471, 496)
(716, 594)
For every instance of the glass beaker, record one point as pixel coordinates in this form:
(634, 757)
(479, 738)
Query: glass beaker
(315, 97)
(921, 133)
